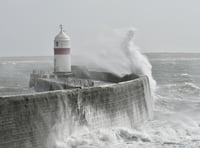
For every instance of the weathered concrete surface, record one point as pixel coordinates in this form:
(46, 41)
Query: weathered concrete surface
(47, 84)
(28, 121)
(79, 78)
(116, 105)
(25, 121)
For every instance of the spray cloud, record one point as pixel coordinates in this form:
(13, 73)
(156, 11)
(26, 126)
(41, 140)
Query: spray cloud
(138, 63)
(116, 52)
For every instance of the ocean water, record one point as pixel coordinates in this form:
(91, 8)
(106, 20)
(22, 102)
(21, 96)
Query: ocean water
(15, 73)
(176, 120)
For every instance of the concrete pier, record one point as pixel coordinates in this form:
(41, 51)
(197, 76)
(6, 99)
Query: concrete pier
(29, 121)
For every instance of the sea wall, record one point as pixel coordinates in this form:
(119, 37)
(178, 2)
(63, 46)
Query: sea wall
(30, 121)
(45, 84)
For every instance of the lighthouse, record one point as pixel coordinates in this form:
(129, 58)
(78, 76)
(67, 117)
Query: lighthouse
(62, 58)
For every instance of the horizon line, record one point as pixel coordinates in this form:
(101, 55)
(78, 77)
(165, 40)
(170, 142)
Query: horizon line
(18, 56)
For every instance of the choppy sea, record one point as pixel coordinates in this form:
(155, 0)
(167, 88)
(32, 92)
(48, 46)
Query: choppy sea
(176, 120)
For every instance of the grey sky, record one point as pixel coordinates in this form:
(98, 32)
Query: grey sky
(27, 27)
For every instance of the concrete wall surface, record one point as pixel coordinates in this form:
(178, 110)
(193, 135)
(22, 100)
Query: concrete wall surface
(32, 121)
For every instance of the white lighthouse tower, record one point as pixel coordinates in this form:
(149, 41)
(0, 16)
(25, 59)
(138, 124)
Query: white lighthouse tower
(62, 58)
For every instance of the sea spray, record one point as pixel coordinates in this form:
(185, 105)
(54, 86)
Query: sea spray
(118, 55)
(139, 64)
(66, 124)
(104, 138)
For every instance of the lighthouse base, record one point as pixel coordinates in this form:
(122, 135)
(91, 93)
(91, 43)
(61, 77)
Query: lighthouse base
(63, 74)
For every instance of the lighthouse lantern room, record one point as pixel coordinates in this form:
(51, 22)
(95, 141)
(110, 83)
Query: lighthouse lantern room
(62, 58)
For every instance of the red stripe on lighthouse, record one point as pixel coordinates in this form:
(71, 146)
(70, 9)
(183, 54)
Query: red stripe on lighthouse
(61, 50)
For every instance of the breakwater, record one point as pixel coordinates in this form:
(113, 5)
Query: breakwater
(32, 120)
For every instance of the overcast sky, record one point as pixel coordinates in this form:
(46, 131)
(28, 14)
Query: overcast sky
(28, 27)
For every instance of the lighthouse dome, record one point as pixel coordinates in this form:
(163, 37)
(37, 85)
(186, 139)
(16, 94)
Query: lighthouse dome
(62, 36)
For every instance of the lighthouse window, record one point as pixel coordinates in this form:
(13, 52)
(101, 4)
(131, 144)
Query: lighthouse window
(57, 44)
